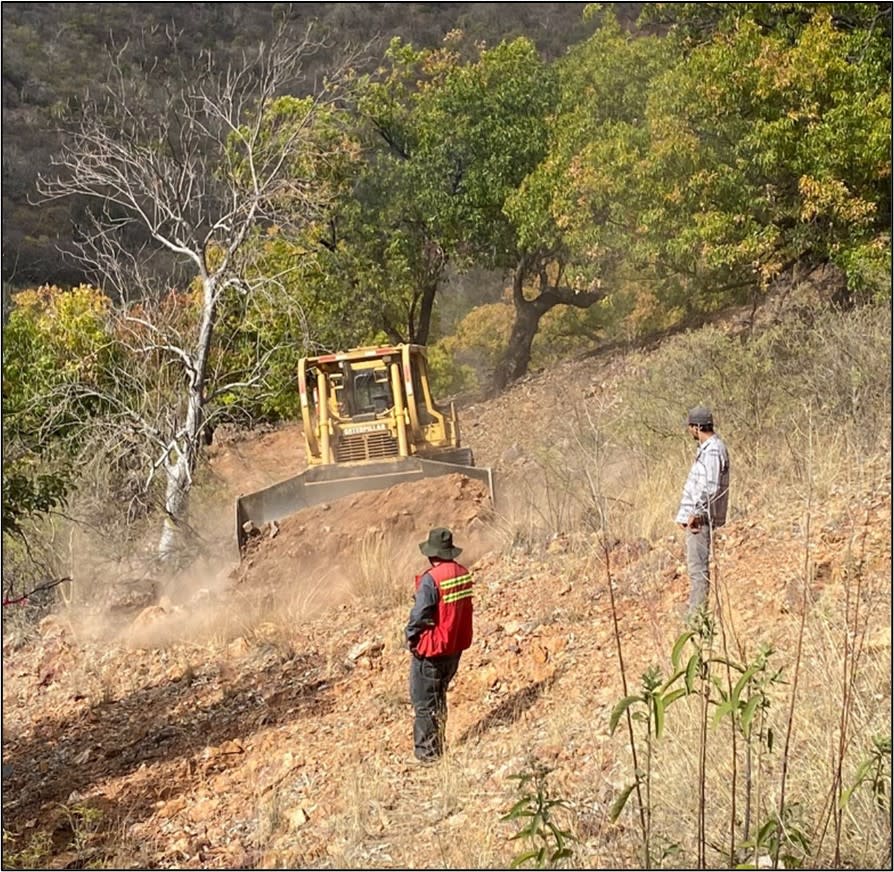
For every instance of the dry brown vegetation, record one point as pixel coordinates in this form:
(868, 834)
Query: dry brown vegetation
(264, 722)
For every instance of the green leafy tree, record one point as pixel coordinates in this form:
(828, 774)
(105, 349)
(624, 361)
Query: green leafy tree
(447, 136)
(570, 213)
(448, 141)
(52, 340)
(696, 23)
(759, 145)
(777, 148)
(489, 130)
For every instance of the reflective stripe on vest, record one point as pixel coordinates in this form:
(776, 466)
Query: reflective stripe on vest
(457, 588)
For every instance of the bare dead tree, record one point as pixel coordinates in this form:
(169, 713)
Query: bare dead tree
(199, 160)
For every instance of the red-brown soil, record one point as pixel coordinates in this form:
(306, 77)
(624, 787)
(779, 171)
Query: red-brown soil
(263, 721)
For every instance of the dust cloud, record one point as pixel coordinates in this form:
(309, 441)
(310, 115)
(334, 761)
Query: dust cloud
(364, 546)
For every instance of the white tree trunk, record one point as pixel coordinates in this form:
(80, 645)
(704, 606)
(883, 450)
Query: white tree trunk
(176, 508)
(181, 462)
(200, 172)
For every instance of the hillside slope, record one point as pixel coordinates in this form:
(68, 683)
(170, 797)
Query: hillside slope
(54, 52)
(264, 721)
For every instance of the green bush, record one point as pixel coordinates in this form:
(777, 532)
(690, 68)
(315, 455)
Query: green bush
(465, 361)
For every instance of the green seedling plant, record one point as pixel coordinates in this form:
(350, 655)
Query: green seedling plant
(695, 675)
(781, 837)
(874, 772)
(84, 821)
(648, 707)
(547, 845)
(35, 854)
(746, 704)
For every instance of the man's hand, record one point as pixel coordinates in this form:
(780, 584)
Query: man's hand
(694, 522)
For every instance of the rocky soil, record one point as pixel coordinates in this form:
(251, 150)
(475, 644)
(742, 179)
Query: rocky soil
(258, 717)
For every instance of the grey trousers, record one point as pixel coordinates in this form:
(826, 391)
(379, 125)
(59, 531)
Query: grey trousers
(698, 558)
(429, 677)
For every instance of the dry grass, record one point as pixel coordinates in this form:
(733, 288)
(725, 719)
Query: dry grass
(518, 523)
(845, 663)
(811, 765)
(388, 815)
(379, 580)
(484, 850)
(801, 455)
(270, 818)
(598, 485)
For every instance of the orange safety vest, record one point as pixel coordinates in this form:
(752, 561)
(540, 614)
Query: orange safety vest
(453, 631)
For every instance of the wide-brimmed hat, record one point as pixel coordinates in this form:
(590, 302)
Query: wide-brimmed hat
(439, 544)
(701, 416)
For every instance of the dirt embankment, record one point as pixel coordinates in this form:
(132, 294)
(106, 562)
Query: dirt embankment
(346, 542)
(263, 722)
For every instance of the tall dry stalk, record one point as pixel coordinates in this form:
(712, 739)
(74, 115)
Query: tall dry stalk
(703, 759)
(805, 595)
(724, 645)
(597, 502)
(854, 634)
(619, 648)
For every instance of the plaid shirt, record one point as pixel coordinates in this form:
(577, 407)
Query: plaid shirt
(706, 492)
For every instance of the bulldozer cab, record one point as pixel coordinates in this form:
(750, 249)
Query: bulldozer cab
(371, 403)
(371, 394)
(355, 391)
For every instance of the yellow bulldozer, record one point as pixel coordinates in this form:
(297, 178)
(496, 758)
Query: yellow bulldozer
(369, 423)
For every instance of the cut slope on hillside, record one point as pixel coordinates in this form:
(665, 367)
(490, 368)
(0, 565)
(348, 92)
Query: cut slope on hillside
(266, 723)
(342, 545)
(291, 744)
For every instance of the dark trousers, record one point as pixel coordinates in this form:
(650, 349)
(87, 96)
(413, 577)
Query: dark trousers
(429, 677)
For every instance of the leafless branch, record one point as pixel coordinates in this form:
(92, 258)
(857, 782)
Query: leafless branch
(191, 161)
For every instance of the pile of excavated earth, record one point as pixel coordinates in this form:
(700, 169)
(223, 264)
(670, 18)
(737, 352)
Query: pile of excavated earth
(257, 715)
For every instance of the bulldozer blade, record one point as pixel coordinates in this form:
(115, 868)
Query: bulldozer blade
(321, 484)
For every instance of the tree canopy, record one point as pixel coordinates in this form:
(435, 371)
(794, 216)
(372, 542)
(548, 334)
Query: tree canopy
(644, 176)
(54, 54)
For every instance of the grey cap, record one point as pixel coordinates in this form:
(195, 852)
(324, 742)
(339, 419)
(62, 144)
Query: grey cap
(701, 416)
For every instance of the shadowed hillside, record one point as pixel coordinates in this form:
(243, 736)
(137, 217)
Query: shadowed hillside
(54, 52)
